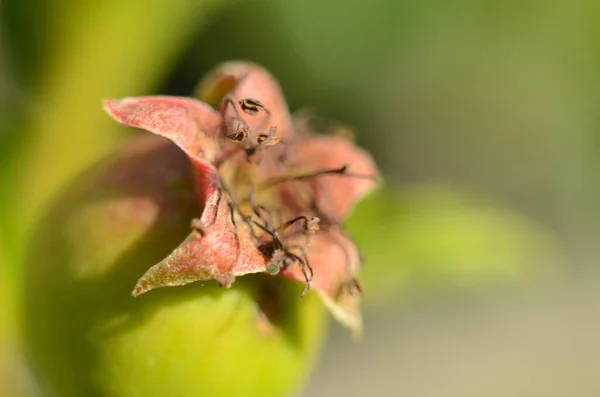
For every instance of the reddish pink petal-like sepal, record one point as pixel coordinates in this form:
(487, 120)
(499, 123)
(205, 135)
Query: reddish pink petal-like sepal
(251, 81)
(216, 250)
(222, 246)
(334, 194)
(335, 262)
(190, 124)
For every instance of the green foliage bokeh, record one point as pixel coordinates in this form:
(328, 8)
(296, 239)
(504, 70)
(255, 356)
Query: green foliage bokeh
(487, 100)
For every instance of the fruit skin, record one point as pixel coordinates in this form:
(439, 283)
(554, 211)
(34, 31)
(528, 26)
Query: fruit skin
(87, 336)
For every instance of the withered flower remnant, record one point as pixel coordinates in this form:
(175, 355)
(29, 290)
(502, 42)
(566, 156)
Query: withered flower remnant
(273, 197)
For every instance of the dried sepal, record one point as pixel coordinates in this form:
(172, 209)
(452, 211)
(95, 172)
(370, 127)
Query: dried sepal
(223, 250)
(336, 174)
(185, 121)
(190, 124)
(304, 188)
(335, 262)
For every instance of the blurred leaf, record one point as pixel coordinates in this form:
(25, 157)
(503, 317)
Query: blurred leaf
(430, 236)
(83, 53)
(11, 381)
(9, 148)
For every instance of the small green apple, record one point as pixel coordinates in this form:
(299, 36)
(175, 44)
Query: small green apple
(87, 336)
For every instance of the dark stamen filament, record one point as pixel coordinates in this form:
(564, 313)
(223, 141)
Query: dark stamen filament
(235, 233)
(241, 130)
(343, 171)
(232, 203)
(303, 266)
(219, 197)
(262, 217)
(257, 209)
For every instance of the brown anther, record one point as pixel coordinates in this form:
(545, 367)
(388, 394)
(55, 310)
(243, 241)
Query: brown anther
(199, 227)
(270, 138)
(286, 225)
(262, 212)
(241, 131)
(252, 106)
(312, 225)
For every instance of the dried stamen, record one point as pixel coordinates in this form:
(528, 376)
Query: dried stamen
(218, 203)
(241, 130)
(270, 138)
(278, 254)
(303, 266)
(257, 209)
(343, 171)
(265, 229)
(235, 229)
(232, 203)
(252, 106)
(310, 225)
(275, 248)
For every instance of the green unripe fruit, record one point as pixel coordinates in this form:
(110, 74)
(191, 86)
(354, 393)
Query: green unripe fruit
(88, 336)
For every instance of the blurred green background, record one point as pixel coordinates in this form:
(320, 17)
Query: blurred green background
(481, 249)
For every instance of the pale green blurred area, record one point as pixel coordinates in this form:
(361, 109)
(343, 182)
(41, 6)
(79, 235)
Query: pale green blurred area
(480, 248)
